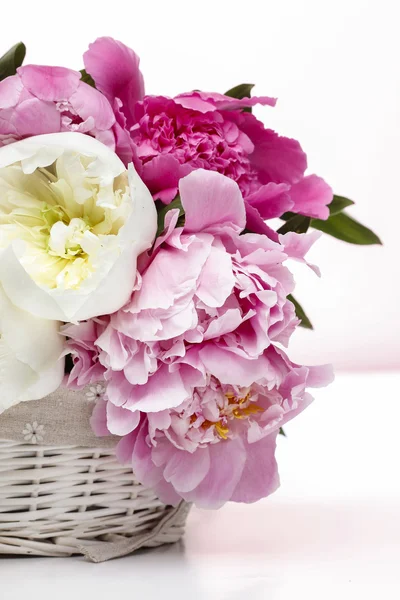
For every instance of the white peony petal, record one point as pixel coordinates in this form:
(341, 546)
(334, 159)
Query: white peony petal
(30, 350)
(43, 150)
(101, 282)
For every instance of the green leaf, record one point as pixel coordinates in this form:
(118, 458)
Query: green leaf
(281, 432)
(163, 209)
(86, 78)
(243, 90)
(297, 223)
(338, 204)
(343, 227)
(304, 320)
(11, 60)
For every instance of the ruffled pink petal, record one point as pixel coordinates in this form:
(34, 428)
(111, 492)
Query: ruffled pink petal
(150, 398)
(217, 280)
(260, 476)
(208, 101)
(10, 91)
(255, 223)
(121, 421)
(271, 200)
(231, 369)
(119, 389)
(142, 464)
(88, 102)
(310, 197)
(227, 461)
(98, 420)
(115, 69)
(320, 376)
(185, 471)
(124, 448)
(277, 159)
(296, 246)
(211, 202)
(161, 175)
(167, 494)
(35, 117)
(53, 84)
(162, 286)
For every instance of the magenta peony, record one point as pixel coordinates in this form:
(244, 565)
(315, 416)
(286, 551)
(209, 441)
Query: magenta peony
(196, 384)
(168, 138)
(39, 100)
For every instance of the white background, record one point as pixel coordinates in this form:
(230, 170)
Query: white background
(333, 528)
(334, 65)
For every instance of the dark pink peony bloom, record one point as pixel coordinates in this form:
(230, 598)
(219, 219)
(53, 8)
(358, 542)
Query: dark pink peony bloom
(169, 137)
(39, 100)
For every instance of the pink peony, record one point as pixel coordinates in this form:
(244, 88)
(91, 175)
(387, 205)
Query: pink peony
(219, 444)
(168, 138)
(193, 374)
(39, 100)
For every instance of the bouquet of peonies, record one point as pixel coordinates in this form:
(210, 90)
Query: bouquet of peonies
(139, 253)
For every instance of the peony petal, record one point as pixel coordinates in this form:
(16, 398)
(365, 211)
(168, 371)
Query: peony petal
(42, 150)
(320, 376)
(310, 196)
(209, 101)
(185, 471)
(232, 369)
(53, 84)
(211, 201)
(277, 159)
(163, 390)
(162, 175)
(216, 281)
(271, 200)
(296, 246)
(98, 420)
(260, 474)
(121, 421)
(89, 102)
(142, 464)
(30, 358)
(115, 69)
(124, 448)
(227, 461)
(10, 91)
(256, 224)
(34, 117)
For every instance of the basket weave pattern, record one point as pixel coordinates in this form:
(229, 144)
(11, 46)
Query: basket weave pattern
(54, 499)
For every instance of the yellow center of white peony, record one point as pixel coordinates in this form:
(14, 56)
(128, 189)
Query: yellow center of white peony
(65, 216)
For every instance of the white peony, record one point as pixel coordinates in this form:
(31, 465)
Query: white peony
(73, 221)
(30, 350)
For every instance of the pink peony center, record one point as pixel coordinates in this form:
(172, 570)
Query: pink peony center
(202, 140)
(215, 413)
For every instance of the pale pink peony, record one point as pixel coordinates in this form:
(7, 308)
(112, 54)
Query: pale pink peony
(39, 100)
(219, 444)
(168, 138)
(209, 305)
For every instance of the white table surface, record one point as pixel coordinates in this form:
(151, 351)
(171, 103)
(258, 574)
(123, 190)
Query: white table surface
(332, 531)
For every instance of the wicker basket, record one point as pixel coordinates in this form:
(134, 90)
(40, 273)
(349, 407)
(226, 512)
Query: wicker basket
(62, 499)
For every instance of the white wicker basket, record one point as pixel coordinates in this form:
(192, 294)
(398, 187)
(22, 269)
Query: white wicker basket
(62, 499)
